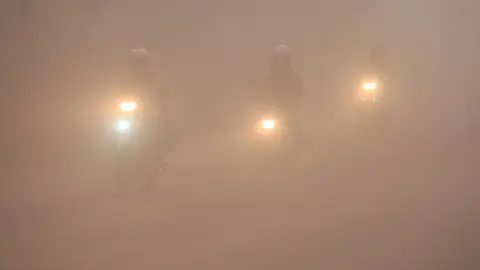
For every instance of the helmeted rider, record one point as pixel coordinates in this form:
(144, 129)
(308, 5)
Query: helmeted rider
(376, 62)
(282, 88)
(142, 76)
(378, 67)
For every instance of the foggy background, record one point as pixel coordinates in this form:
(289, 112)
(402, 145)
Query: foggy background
(406, 201)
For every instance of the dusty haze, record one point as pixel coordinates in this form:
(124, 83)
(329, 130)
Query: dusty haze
(407, 201)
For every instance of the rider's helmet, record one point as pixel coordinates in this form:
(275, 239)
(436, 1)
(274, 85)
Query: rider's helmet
(139, 58)
(376, 56)
(282, 56)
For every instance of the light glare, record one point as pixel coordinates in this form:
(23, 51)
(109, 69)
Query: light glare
(128, 106)
(123, 125)
(268, 124)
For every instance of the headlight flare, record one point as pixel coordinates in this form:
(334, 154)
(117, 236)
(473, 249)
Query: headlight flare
(369, 86)
(128, 106)
(123, 126)
(268, 124)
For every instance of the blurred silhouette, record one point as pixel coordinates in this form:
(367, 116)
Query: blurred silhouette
(144, 130)
(282, 88)
(280, 94)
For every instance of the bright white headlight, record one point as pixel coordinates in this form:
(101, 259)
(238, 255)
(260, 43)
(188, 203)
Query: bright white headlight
(268, 124)
(369, 86)
(128, 106)
(123, 125)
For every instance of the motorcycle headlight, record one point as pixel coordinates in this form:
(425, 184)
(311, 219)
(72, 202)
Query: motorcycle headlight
(369, 86)
(128, 106)
(123, 126)
(268, 124)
